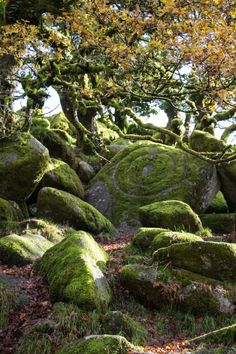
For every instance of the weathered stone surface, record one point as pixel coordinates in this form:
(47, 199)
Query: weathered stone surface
(216, 260)
(61, 176)
(146, 172)
(72, 269)
(160, 286)
(23, 163)
(227, 174)
(20, 250)
(65, 208)
(102, 344)
(204, 141)
(172, 214)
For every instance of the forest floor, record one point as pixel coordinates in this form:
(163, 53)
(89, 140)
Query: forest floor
(167, 330)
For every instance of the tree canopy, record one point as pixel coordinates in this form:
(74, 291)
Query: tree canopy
(115, 60)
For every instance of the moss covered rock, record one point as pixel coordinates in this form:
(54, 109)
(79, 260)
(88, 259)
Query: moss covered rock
(72, 269)
(227, 174)
(102, 344)
(216, 260)
(50, 231)
(144, 236)
(219, 223)
(161, 286)
(20, 250)
(62, 176)
(10, 214)
(23, 163)
(146, 172)
(218, 204)
(85, 171)
(204, 141)
(65, 208)
(172, 214)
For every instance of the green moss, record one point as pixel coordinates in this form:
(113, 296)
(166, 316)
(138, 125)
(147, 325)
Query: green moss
(167, 238)
(62, 176)
(170, 212)
(218, 205)
(72, 269)
(225, 335)
(227, 174)
(116, 322)
(9, 216)
(35, 343)
(203, 141)
(20, 250)
(7, 303)
(214, 259)
(44, 228)
(152, 172)
(104, 344)
(161, 286)
(220, 223)
(23, 163)
(145, 235)
(135, 259)
(63, 207)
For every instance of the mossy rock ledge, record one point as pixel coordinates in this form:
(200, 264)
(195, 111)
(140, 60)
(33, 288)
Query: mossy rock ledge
(158, 287)
(61, 176)
(73, 271)
(216, 260)
(170, 213)
(23, 163)
(63, 207)
(145, 172)
(21, 250)
(102, 344)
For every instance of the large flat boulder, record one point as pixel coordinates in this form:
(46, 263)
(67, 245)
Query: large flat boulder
(63, 207)
(158, 287)
(73, 271)
(146, 172)
(216, 260)
(23, 163)
(21, 250)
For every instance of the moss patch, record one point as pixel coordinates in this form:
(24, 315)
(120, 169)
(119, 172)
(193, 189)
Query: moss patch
(72, 269)
(9, 216)
(144, 173)
(20, 250)
(145, 235)
(62, 176)
(218, 204)
(227, 174)
(216, 260)
(23, 163)
(36, 343)
(220, 223)
(204, 141)
(65, 208)
(167, 238)
(174, 213)
(103, 344)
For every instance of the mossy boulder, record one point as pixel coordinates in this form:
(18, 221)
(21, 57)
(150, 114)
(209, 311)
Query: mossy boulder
(61, 176)
(85, 171)
(219, 223)
(21, 250)
(10, 214)
(157, 286)
(102, 344)
(216, 260)
(145, 172)
(227, 175)
(144, 236)
(167, 238)
(117, 322)
(50, 231)
(73, 271)
(63, 207)
(225, 335)
(23, 163)
(218, 204)
(172, 214)
(204, 141)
